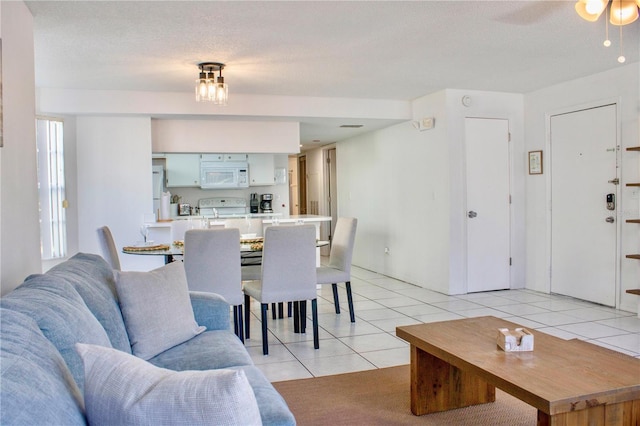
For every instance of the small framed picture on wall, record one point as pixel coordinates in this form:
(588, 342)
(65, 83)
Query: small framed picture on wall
(535, 162)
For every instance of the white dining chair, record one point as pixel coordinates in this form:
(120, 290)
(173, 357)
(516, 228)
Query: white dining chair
(108, 247)
(339, 268)
(288, 274)
(212, 264)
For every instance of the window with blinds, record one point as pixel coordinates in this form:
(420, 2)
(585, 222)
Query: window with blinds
(51, 188)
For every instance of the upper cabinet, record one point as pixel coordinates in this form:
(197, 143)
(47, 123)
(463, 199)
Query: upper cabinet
(224, 157)
(261, 169)
(183, 169)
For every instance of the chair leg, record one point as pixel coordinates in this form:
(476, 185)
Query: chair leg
(280, 310)
(265, 343)
(314, 315)
(350, 300)
(235, 322)
(336, 300)
(247, 314)
(273, 309)
(289, 309)
(303, 316)
(296, 317)
(240, 326)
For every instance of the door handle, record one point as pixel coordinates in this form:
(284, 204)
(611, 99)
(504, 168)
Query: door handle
(471, 214)
(610, 219)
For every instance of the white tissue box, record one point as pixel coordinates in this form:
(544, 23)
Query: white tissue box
(518, 340)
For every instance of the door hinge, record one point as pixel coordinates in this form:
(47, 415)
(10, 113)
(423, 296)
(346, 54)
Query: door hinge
(509, 198)
(509, 137)
(510, 261)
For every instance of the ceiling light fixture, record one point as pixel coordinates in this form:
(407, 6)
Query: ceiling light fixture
(208, 87)
(621, 12)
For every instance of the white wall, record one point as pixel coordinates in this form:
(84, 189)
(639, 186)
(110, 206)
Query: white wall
(484, 105)
(225, 136)
(114, 183)
(19, 222)
(620, 84)
(407, 190)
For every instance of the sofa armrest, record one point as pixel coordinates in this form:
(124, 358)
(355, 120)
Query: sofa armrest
(210, 310)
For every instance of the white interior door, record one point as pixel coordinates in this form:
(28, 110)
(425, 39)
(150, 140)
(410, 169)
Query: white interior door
(583, 242)
(488, 208)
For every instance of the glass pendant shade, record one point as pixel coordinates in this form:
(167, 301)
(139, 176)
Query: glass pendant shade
(623, 12)
(221, 94)
(202, 93)
(211, 88)
(590, 10)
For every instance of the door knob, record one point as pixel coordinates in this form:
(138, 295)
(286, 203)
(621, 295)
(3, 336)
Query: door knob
(610, 219)
(472, 214)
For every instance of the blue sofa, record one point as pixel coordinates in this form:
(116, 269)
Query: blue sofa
(41, 374)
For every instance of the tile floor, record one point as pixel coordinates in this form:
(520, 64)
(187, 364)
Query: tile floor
(382, 303)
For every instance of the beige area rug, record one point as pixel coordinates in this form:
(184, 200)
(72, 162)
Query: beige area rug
(381, 397)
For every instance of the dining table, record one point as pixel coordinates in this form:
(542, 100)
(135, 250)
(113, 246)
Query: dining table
(250, 250)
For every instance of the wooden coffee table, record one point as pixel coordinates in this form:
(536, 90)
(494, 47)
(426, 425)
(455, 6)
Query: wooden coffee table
(457, 363)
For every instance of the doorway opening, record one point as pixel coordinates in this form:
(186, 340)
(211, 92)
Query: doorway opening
(302, 184)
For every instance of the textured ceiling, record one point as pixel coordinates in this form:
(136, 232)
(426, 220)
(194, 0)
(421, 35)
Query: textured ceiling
(363, 49)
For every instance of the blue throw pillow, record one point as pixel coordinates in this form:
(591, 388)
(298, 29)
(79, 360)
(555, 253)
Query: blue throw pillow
(37, 387)
(93, 279)
(62, 316)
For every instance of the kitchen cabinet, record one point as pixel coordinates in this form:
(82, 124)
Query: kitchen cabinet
(224, 157)
(183, 170)
(261, 169)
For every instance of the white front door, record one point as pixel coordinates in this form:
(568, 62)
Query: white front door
(488, 207)
(583, 230)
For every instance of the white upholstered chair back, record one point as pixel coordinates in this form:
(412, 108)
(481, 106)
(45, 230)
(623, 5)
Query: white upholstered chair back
(212, 262)
(342, 244)
(289, 263)
(108, 247)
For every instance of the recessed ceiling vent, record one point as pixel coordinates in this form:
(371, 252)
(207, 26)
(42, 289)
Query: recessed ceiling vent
(351, 126)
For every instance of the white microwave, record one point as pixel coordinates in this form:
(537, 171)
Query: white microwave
(224, 174)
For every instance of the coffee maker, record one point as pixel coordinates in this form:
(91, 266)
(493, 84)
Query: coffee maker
(254, 204)
(265, 203)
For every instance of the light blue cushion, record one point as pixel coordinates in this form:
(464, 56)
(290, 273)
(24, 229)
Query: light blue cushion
(122, 389)
(36, 387)
(273, 408)
(93, 279)
(209, 350)
(62, 316)
(210, 310)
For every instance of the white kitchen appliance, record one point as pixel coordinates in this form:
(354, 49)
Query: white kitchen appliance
(224, 174)
(158, 186)
(222, 207)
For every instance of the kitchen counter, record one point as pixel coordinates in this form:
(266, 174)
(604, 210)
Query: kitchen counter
(304, 218)
(269, 219)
